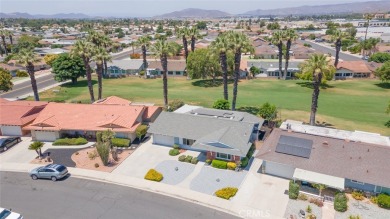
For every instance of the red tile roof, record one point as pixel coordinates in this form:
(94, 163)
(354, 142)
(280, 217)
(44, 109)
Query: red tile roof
(355, 66)
(19, 113)
(114, 100)
(88, 117)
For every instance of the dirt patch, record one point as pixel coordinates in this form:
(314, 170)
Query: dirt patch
(44, 160)
(84, 160)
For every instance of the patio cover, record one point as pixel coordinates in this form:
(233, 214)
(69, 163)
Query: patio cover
(314, 177)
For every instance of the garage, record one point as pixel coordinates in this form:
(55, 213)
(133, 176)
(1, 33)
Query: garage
(45, 136)
(281, 170)
(11, 130)
(163, 140)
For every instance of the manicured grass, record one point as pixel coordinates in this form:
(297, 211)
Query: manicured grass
(351, 105)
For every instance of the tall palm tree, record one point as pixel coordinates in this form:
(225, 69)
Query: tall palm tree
(290, 37)
(183, 33)
(10, 34)
(277, 39)
(194, 33)
(100, 55)
(318, 69)
(144, 42)
(337, 35)
(27, 58)
(221, 46)
(163, 49)
(3, 34)
(83, 48)
(239, 43)
(368, 17)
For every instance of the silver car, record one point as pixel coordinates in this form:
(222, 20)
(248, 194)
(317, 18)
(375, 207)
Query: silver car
(51, 171)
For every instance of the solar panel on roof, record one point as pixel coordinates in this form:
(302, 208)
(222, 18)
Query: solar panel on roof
(294, 146)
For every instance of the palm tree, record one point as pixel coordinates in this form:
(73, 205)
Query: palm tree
(239, 43)
(10, 34)
(3, 34)
(100, 56)
(184, 34)
(144, 42)
(27, 58)
(318, 69)
(221, 46)
(290, 36)
(163, 49)
(368, 17)
(194, 33)
(337, 35)
(100, 40)
(84, 49)
(277, 39)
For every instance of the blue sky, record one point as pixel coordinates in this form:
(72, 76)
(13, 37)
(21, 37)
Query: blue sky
(144, 8)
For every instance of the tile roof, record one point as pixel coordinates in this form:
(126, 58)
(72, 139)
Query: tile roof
(93, 117)
(347, 159)
(173, 65)
(355, 66)
(19, 113)
(113, 100)
(132, 64)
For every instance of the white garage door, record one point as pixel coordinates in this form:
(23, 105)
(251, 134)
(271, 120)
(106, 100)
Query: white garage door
(11, 130)
(45, 136)
(163, 140)
(280, 170)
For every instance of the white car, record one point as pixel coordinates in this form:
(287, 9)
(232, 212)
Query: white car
(8, 214)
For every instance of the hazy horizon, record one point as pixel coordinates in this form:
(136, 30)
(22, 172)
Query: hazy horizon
(147, 8)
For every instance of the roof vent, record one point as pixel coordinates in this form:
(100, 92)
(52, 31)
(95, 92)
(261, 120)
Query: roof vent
(325, 143)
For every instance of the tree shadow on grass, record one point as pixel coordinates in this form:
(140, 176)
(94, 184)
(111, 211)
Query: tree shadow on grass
(309, 84)
(210, 82)
(250, 109)
(384, 85)
(82, 83)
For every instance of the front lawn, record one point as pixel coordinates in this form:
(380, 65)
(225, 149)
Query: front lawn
(351, 105)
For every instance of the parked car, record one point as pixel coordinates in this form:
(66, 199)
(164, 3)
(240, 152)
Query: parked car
(8, 214)
(6, 143)
(51, 171)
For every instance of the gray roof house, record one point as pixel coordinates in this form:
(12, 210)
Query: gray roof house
(271, 68)
(118, 68)
(221, 134)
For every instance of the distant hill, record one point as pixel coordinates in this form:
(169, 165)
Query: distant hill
(357, 7)
(195, 13)
(37, 16)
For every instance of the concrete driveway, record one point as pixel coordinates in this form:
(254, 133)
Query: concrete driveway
(19, 153)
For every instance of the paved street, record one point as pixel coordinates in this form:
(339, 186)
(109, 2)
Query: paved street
(25, 87)
(78, 198)
(323, 49)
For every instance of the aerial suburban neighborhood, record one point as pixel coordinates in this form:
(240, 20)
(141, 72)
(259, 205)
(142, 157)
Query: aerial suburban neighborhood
(208, 109)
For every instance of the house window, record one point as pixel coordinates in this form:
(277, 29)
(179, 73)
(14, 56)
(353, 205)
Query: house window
(178, 73)
(170, 72)
(357, 182)
(188, 141)
(223, 156)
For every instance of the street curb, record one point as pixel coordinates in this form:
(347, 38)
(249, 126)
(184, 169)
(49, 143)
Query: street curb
(147, 189)
(43, 89)
(28, 78)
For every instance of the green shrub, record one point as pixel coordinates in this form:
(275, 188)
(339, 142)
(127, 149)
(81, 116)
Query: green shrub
(174, 152)
(174, 105)
(208, 161)
(153, 175)
(244, 162)
(384, 201)
(92, 155)
(70, 141)
(221, 104)
(302, 197)
(231, 165)
(120, 142)
(251, 151)
(226, 193)
(293, 190)
(96, 165)
(340, 202)
(308, 209)
(140, 131)
(21, 74)
(374, 199)
(104, 152)
(220, 164)
(176, 146)
(194, 160)
(357, 195)
(188, 159)
(182, 158)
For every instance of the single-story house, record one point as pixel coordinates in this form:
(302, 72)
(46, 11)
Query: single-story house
(220, 134)
(271, 68)
(11, 68)
(15, 115)
(266, 52)
(47, 51)
(175, 68)
(118, 68)
(335, 162)
(60, 119)
(352, 69)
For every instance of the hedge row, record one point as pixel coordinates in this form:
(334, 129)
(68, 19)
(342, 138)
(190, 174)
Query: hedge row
(340, 202)
(384, 201)
(220, 164)
(120, 142)
(153, 175)
(226, 193)
(293, 190)
(70, 141)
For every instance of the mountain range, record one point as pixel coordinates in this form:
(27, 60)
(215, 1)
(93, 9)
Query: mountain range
(41, 16)
(195, 13)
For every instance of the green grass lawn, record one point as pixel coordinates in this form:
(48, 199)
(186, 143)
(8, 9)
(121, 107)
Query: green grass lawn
(351, 105)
